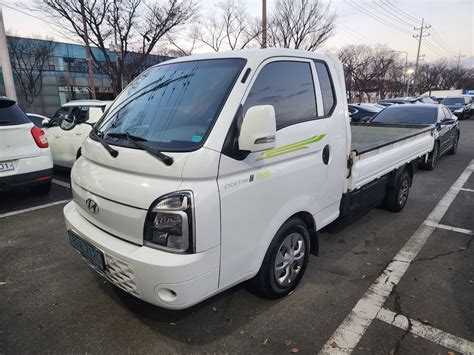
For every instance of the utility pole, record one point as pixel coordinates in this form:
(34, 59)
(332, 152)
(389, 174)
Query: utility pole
(420, 37)
(90, 74)
(264, 23)
(458, 67)
(5, 62)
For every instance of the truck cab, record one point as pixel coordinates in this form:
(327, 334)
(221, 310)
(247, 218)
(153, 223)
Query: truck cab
(214, 169)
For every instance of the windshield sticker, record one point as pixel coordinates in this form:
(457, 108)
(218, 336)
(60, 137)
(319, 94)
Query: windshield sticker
(197, 137)
(289, 148)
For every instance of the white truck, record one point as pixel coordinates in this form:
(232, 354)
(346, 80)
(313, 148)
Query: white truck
(214, 169)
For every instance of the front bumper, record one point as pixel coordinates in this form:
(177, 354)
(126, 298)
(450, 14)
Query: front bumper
(173, 281)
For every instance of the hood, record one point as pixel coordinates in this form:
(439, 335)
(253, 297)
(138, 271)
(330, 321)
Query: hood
(115, 194)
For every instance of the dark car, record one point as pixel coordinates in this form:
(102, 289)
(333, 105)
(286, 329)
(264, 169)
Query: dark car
(395, 101)
(461, 106)
(363, 112)
(445, 126)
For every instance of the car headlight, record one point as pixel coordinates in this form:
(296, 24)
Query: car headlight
(459, 110)
(169, 223)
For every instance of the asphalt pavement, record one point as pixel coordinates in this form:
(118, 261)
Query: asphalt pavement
(51, 301)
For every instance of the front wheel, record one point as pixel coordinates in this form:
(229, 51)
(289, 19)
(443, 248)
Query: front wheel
(285, 261)
(432, 158)
(397, 196)
(454, 148)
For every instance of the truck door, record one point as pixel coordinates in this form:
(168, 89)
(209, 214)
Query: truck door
(259, 191)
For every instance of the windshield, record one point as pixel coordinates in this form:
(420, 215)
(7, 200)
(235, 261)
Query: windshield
(407, 114)
(173, 106)
(58, 116)
(453, 101)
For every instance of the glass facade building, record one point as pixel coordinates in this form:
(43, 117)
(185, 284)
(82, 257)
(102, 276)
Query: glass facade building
(65, 76)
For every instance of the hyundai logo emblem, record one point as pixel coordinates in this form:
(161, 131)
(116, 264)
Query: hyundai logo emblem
(92, 206)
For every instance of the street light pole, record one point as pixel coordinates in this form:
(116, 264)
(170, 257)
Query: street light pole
(264, 23)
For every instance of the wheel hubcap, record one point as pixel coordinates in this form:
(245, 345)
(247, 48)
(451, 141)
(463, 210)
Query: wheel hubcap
(289, 259)
(403, 194)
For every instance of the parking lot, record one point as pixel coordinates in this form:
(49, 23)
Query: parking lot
(388, 283)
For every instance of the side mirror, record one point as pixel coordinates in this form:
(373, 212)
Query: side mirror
(68, 122)
(45, 122)
(448, 121)
(258, 130)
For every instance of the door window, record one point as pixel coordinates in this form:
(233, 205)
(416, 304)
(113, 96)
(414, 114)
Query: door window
(327, 88)
(288, 86)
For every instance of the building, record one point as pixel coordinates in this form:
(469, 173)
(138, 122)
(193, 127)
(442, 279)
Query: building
(65, 75)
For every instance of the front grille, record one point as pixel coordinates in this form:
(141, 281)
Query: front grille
(120, 273)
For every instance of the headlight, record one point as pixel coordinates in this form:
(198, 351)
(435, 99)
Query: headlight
(169, 223)
(459, 110)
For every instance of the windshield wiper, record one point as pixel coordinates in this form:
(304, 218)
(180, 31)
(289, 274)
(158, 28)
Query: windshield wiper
(138, 142)
(98, 135)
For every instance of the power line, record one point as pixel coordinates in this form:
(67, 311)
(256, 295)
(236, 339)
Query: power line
(401, 12)
(356, 35)
(377, 18)
(435, 33)
(392, 15)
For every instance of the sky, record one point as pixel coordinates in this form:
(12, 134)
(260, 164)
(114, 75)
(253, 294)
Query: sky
(370, 22)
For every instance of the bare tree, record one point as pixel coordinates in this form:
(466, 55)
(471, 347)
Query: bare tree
(303, 24)
(29, 60)
(368, 69)
(228, 24)
(126, 25)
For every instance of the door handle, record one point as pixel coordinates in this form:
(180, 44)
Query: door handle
(78, 134)
(57, 136)
(326, 154)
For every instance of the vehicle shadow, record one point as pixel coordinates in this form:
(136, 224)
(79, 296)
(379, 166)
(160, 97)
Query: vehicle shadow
(204, 323)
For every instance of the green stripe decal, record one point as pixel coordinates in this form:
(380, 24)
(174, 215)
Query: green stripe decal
(290, 147)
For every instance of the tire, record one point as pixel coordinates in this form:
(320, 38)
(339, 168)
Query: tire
(454, 148)
(432, 158)
(43, 189)
(397, 196)
(274, 280)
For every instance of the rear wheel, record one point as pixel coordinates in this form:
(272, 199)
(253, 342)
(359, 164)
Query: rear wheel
(285, 261)
(43, 189)
(454, 148)
(397, 196)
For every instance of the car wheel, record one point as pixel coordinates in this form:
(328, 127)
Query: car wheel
(397, 196)
(432, 158)
(285, 261)
(454, 148)
(43, 189)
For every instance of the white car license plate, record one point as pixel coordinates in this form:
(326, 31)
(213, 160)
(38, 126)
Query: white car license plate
(6, 166)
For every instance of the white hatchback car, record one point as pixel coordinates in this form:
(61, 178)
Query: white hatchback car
(65, 144)
(25, 157)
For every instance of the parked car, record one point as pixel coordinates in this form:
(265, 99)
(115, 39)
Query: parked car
(65, 144)
(358, 112)
(25, 157)
(461, 106)
(36, 119)
(445, 126)
(214, 169)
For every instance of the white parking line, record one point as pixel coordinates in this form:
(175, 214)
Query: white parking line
(61, 183)
(350, 331)
(33, 208)
(427, 332)
(468, 190)
(449, 228)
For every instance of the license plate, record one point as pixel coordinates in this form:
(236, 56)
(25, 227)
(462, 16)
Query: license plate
(87, 250)
(6, 166)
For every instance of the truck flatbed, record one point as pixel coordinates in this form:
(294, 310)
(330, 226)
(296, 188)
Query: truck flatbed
(378, 149)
